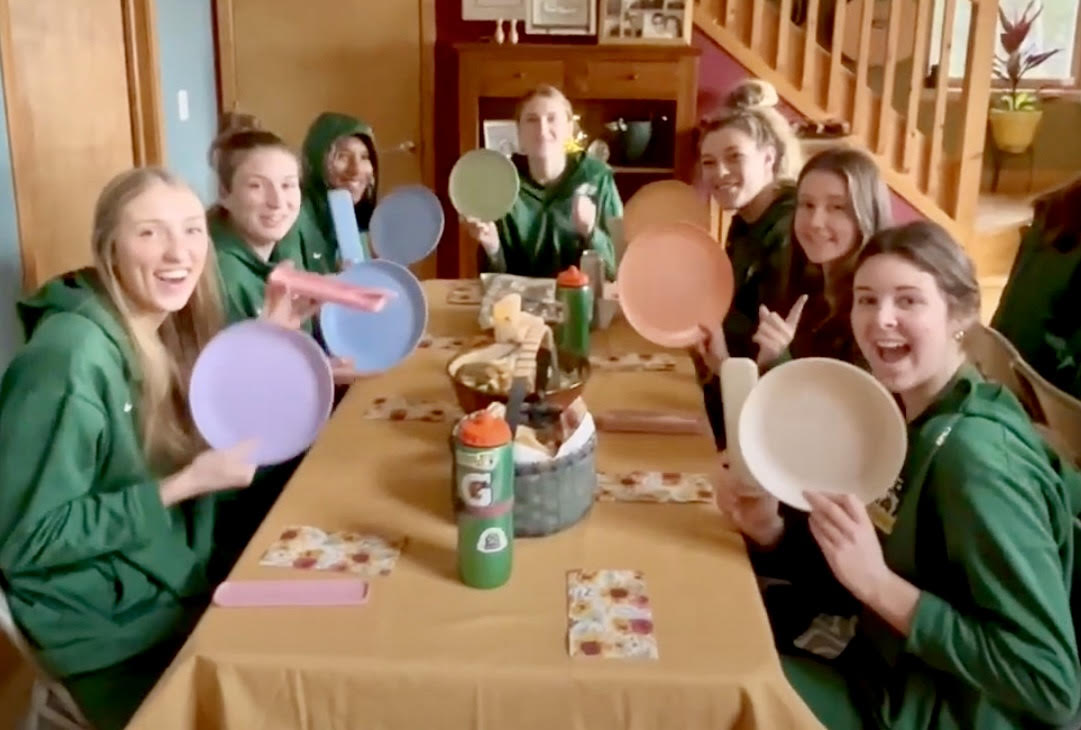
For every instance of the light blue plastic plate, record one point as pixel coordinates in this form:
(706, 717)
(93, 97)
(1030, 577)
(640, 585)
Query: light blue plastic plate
(406, 225)
(377, 341)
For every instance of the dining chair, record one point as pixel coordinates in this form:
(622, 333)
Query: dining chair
(51, 706)
(994, 356)
(1061, 411)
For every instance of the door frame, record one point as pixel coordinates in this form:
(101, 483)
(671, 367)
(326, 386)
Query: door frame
(144, 103)
(225, 43)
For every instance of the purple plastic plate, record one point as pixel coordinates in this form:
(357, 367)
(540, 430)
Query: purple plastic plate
(256, 380)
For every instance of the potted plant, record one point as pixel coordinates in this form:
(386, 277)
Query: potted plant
(1016, 113)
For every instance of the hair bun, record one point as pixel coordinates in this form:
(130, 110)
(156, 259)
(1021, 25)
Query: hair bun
(752, 94)
(234, 122)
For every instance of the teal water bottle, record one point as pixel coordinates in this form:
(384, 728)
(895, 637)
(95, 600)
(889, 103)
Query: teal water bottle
(572, 290)
(484, 482)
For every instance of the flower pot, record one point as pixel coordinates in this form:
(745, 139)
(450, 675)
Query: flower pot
(1013, 131)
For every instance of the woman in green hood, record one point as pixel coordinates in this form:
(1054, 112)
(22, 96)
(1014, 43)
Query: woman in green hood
(565, 204)
(339, 153)
(107, 509)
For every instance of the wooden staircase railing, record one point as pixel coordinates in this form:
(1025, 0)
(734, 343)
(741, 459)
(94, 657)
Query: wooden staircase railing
(826, 73)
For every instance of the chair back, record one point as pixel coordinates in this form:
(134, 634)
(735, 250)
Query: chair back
(994, 356)
(1061, 411)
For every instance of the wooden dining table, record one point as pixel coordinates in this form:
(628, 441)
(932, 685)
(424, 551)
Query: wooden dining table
(428, 652)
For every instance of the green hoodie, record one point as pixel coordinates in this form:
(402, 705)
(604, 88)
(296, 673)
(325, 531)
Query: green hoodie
(538, 237)
(96, 569)
(1040, 309)
(983, 522)
(321, 254)
(243, 273)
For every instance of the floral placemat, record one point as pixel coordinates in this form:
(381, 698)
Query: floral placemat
(609, 615)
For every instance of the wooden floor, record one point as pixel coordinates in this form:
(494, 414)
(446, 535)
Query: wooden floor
(994, 243)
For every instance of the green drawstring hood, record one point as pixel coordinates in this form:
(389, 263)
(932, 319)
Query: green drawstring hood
(327, 128)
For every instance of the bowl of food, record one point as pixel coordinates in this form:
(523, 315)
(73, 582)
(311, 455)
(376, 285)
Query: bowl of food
(483, 376)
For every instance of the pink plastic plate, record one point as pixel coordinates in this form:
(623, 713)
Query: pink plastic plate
(661, 202)
(674, 277)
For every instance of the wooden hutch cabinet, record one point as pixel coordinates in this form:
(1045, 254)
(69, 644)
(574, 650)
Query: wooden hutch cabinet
(605, 84)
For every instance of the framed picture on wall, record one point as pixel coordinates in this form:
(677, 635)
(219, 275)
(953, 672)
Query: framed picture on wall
(561, 17)
(501, 135)
(646, 21)
(494, 9)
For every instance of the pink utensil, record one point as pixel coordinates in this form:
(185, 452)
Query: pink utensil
(330, 289)
(331, 592)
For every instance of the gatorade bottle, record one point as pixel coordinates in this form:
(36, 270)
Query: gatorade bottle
(484, 479)
(572, 289)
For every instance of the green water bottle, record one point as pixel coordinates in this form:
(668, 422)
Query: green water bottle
(486, 546)
(572, 289)
(484, 482)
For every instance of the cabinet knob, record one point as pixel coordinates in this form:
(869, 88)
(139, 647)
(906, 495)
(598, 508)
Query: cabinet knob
(632, 76)
(519, 74)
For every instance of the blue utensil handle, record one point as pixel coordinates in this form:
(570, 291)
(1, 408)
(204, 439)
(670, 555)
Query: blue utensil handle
(344, 218)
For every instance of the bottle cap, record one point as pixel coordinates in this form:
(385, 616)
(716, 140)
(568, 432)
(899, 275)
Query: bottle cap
(482, 430)
(572, 277)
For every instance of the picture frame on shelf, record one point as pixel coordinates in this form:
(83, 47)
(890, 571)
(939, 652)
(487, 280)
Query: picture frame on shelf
(511, 10)
(662, 22)
(501, 135)
(561, 17)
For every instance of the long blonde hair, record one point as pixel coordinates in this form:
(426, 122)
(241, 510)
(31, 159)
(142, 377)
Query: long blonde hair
(165, 357)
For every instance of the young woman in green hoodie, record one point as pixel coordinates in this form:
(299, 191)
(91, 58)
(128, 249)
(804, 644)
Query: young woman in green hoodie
(565, 203)
(947, 603)
(339, 153)
(256, 226)
(746, 161)
(253, 224)
(1040, 309)
(106, 510)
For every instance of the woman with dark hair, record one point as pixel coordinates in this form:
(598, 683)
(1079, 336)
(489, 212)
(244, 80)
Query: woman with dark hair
(1040, 309)
(339, 153)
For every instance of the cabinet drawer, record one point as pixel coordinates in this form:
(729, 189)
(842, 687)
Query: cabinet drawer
(634, 80)
(517, 78)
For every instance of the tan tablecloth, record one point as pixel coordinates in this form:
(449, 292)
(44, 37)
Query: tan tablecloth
(427, 652)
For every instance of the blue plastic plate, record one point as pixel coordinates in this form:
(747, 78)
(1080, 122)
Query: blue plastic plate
(406, 225)
(377, 341)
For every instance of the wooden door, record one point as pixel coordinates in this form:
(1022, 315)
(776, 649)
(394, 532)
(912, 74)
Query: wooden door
(80, 86)
(286, 61)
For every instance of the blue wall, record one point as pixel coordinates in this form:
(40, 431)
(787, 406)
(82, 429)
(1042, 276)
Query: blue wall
(186, 53)
(10, 264)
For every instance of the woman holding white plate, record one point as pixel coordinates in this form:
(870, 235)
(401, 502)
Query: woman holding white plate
(107, 509)
(959, 581)
(841, 202)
